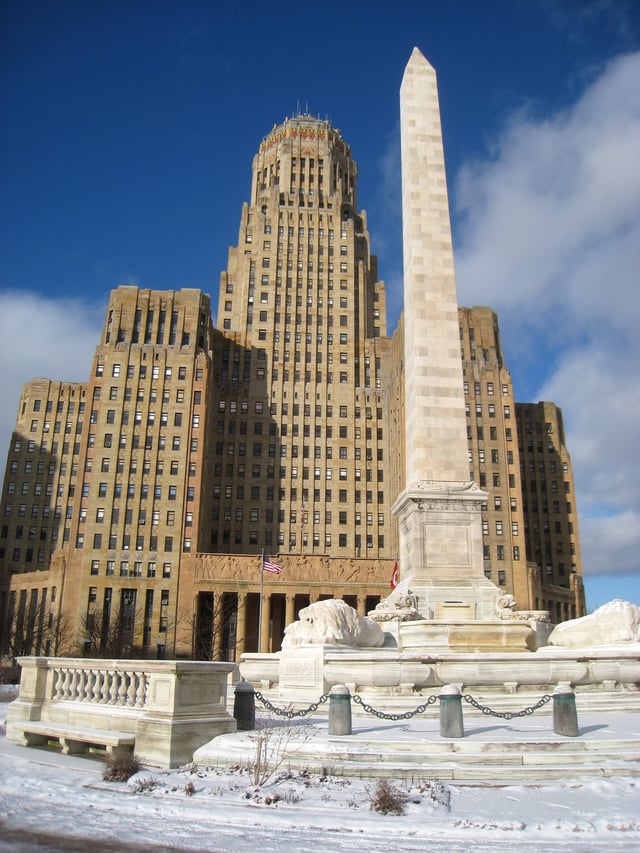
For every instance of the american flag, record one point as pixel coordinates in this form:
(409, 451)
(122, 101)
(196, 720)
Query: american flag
(269, 566)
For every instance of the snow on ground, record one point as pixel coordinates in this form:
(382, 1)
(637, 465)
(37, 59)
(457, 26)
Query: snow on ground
(50, 802)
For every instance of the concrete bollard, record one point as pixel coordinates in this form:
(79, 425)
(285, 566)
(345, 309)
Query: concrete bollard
(339, 710)
(451, 724)
(565, 717)
(244, 706)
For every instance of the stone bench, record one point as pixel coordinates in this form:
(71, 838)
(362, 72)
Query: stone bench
(166, 709)
(74, 739)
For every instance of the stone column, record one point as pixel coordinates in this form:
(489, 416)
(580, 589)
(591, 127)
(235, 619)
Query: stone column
(241, 624)
(265, 633)
(289, 615)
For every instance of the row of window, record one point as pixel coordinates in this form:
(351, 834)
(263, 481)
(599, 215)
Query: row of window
(42, 448)
(71, 406)
(156, 371)
(129, 490)
(499, 554)
(495, 457)
(343, 431)
(344, 495)
(170, 519)
(125, 545)
(132, 569)
(534, 486)
(57, 427)
(295, 516)
(491, 410)
(500, 528)
(495, 479)
(493, 433)
(174, 466)
(255, 537)
(489, 388)
(555, 506)
(17, 555)
(260, 408)
(121, 441)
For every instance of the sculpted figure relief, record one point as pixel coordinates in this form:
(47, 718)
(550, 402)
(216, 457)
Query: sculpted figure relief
(613, 623)
(400, 605)
(332, 622)
(505, 606)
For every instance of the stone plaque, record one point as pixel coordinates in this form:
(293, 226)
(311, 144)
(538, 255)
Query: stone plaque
(446, 546)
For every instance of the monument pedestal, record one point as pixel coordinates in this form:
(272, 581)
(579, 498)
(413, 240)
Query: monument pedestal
(441, 554)
(439, 636)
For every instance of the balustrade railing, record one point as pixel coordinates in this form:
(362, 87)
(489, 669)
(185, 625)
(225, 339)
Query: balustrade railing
(99, 685)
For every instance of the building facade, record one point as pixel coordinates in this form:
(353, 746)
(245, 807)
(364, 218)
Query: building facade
(137, 507)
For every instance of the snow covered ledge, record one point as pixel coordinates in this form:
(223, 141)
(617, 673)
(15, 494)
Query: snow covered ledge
(170, 707)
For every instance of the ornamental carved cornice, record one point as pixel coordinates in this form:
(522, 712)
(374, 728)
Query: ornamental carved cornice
(445, 487)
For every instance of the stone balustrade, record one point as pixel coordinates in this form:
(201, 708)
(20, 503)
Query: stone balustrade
(170, 707)
(100, 685)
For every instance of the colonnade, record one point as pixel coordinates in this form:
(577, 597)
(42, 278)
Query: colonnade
(230, 622)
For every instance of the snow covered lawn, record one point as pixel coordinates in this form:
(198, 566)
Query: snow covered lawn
(59, 803)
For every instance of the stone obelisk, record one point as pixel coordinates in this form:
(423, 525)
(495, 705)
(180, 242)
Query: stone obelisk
(439, 510)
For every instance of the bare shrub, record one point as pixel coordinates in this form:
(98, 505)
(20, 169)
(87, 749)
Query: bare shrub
(119, 768)
(148, 783)
(387, 799)
(275, 740)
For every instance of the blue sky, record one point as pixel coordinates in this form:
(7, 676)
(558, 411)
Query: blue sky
(126, 138)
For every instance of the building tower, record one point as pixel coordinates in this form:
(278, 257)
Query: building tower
(301, 439)
(550, 517)
(136, 503)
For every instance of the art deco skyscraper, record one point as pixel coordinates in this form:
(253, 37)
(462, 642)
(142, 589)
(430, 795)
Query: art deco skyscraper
(301, 441)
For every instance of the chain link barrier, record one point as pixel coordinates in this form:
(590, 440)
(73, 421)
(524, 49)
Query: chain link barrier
(506, 715)
(286, 712)
(407, 715)
(381, 714)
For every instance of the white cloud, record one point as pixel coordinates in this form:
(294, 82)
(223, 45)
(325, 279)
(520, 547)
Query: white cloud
(42, 337)
(549, 236)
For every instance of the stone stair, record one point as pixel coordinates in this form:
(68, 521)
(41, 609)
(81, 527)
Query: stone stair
(468, 760)
(494, 750)
(463, 761)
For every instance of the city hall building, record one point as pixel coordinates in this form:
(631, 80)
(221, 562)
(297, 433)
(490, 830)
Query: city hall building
(138, 508)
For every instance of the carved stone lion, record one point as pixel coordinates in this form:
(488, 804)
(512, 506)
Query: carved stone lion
(332, 622)
(613, 623)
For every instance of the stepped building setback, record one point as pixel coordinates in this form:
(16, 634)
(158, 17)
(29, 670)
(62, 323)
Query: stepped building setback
(136, 507)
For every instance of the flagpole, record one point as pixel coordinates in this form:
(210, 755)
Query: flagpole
(261, 598)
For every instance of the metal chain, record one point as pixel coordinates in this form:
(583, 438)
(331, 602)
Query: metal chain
(506, 715)
(407, 715)
(284, 712)
(381, 715)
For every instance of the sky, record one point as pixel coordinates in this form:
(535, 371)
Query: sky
(127, 131)
(50, 803)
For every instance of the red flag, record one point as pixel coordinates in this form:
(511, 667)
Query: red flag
(269, 566)
(395, 577)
